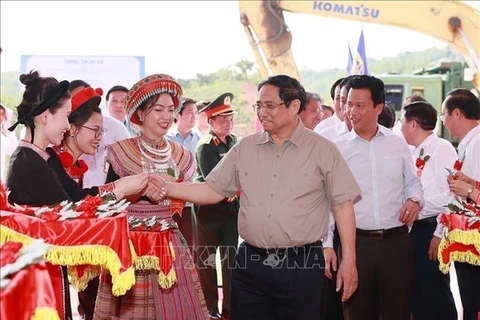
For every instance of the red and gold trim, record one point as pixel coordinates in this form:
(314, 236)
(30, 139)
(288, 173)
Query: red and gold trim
(461, 244)
(79, 243)
(220, 110)
(106, 188)
(155, 252)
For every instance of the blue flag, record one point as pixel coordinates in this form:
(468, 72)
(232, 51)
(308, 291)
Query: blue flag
(360, 63)
(350, 61)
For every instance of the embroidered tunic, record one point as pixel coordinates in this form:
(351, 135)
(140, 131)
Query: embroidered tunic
(147, 300)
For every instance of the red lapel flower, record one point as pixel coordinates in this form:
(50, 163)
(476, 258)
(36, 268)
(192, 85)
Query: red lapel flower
(459, 164)
(421, 160)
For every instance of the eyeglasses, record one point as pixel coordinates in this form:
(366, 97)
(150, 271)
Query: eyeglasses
(270, 106)
(442, 115)
(99, 132)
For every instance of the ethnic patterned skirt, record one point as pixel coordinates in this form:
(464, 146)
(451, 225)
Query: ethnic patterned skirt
(146, 299)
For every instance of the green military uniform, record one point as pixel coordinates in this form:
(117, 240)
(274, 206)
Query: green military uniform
(214, 226)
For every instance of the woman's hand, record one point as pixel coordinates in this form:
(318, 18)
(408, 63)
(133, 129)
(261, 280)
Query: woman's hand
(155, 186)
(130, 185)
(459, 187)
(463, 177)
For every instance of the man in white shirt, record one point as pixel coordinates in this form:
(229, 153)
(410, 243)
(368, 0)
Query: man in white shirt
(332, 299)
(115, 101)
(431, 295)
(460, 115)
(339, 113)
(391, 194)
(335, 131)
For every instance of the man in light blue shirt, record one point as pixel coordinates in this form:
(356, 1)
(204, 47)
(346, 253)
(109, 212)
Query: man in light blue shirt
(186, 120)
(391, 195)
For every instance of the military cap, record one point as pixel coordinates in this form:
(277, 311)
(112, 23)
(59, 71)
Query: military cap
(220, 106)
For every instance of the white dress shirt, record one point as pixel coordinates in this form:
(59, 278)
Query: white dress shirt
(470, 148)
(434, 176)
(384, 169)
(96, 173)
(331, 121)
(334, 132)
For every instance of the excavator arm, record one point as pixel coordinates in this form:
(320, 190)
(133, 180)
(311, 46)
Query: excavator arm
(453, 22)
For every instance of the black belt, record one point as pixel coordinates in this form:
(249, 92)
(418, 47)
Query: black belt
(425, 221)
(382, 233)
(290, 251)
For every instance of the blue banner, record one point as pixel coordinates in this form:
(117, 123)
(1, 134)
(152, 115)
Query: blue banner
(359, 66)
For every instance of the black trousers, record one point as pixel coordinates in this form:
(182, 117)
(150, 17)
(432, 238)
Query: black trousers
(431, 295)
(185, 225)
(332, 300)
(207, 237)
(87, 298)
(385, 269)
(469, 286)
(277, 285)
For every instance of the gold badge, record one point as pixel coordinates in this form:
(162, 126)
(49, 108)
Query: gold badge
(226, 101)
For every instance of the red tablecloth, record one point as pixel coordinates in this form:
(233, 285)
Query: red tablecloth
(155, 251)
(97, 242)
(29, 295)
(462, 242)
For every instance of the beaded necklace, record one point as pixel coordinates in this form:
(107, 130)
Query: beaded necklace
(157, 159)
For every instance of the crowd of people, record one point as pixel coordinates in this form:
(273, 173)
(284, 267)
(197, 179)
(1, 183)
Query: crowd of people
(326, 213)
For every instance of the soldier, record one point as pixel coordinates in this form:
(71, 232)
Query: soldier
(215, 226)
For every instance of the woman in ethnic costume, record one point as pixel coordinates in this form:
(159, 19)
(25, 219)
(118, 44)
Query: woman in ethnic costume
(150, 106)
(44, 110)
(86, 131)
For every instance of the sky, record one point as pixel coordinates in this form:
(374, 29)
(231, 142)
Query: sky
(182, 38)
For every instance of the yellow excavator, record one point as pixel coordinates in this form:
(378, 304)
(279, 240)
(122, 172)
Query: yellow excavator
(453, 22)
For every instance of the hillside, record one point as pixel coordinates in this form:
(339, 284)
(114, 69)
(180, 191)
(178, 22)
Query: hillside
(242, 78)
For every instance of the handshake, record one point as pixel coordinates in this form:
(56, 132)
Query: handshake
(153, 186)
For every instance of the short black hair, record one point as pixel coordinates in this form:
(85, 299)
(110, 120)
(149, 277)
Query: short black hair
(423, 113)
(332, 89)
(374, 85)
(184, 102)
(289, 89)
(465, 101)
(77, 83)
(115, 88)
(387, 117)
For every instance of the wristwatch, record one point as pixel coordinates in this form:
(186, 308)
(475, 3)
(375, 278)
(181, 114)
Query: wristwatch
(469, 191)
(415, 199)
